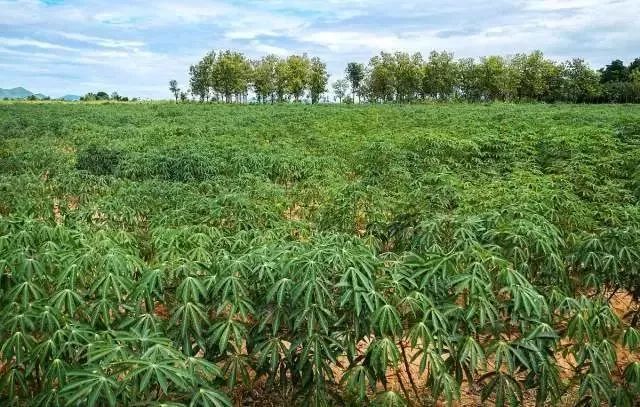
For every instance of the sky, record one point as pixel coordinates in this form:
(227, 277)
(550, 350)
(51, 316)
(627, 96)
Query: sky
(135, 47)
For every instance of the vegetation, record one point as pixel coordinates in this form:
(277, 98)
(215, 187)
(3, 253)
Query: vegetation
(102, 96)
(403, 78)
(183, 254)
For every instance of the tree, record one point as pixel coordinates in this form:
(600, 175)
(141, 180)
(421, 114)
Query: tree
(380, 77)
(265, 77)
(469, 86)
(298, 73)
(355, 75)
(634, 65)
(173, 87)
(281, 79)
(230, 75)
(534, 74)
(494, 80)
(340, 88)
(581, 83)
(102, 95)
(318, 79)
(407, 75)
(440, 75)
(183, 96)
(200, 80)
(614, 72)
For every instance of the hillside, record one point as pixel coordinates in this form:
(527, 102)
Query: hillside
(19, 93)
(15, 93)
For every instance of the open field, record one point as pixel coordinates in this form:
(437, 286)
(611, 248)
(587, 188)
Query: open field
(215, 255)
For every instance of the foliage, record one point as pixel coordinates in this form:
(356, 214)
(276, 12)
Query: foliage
(184, 254)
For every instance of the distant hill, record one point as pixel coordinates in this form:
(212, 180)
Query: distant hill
(22, 93)
(15, 93)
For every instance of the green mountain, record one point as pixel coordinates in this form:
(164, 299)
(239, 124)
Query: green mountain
(15, 93)
(19, 93)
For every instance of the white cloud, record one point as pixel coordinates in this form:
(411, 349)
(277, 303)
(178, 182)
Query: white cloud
(102, 42)
(138, 45)
(27, 42)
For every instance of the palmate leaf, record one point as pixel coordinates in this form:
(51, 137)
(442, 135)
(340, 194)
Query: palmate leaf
(594, 389)
(381, 354)
(13, 383)
(205, 397)
(18, 319)
(316, 350)
(505, 389)
(315, 318)
(358, 380)
(632, 377)
(56, 373)
(226, 332)
(271, 355)
(631, 338)
(444, 384)
(280, 291)
(192, 322)
(67, 301)
(545, 380)
(470, 356)
(191, 289)
(105, 352)
(25, 293)
(386, 320)
(389, 399)
(91, 387)
(236, 369)
(18, 346)
(111, 285)
(147, 374)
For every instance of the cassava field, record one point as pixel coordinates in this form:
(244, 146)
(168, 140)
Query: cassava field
(212, 255)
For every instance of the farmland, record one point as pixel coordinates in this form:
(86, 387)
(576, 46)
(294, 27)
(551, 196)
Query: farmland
(214, 255)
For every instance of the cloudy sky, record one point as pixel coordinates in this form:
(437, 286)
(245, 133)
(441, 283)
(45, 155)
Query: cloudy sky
(135, 47)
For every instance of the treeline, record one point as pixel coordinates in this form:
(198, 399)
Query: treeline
(401, 77)
(229, 76)
(101, 95)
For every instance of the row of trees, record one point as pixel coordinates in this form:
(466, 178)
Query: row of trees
(402, 77)
(102, 95)
(229, 76)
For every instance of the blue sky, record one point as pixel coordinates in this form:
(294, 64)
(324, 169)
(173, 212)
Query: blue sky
(135, 47)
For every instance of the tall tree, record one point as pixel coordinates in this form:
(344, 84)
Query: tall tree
(580, 82)
(440, 75)
(265, 77)
(231, 73)
(355, 75)
(469, 79)
(318, 79)
(381, 77)
(407, 75)
(173, 87)
(200, 79)
(493, 79)
(535, 75)
(340, 88)
(281, 79)
(298, 72)
(614, 72)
